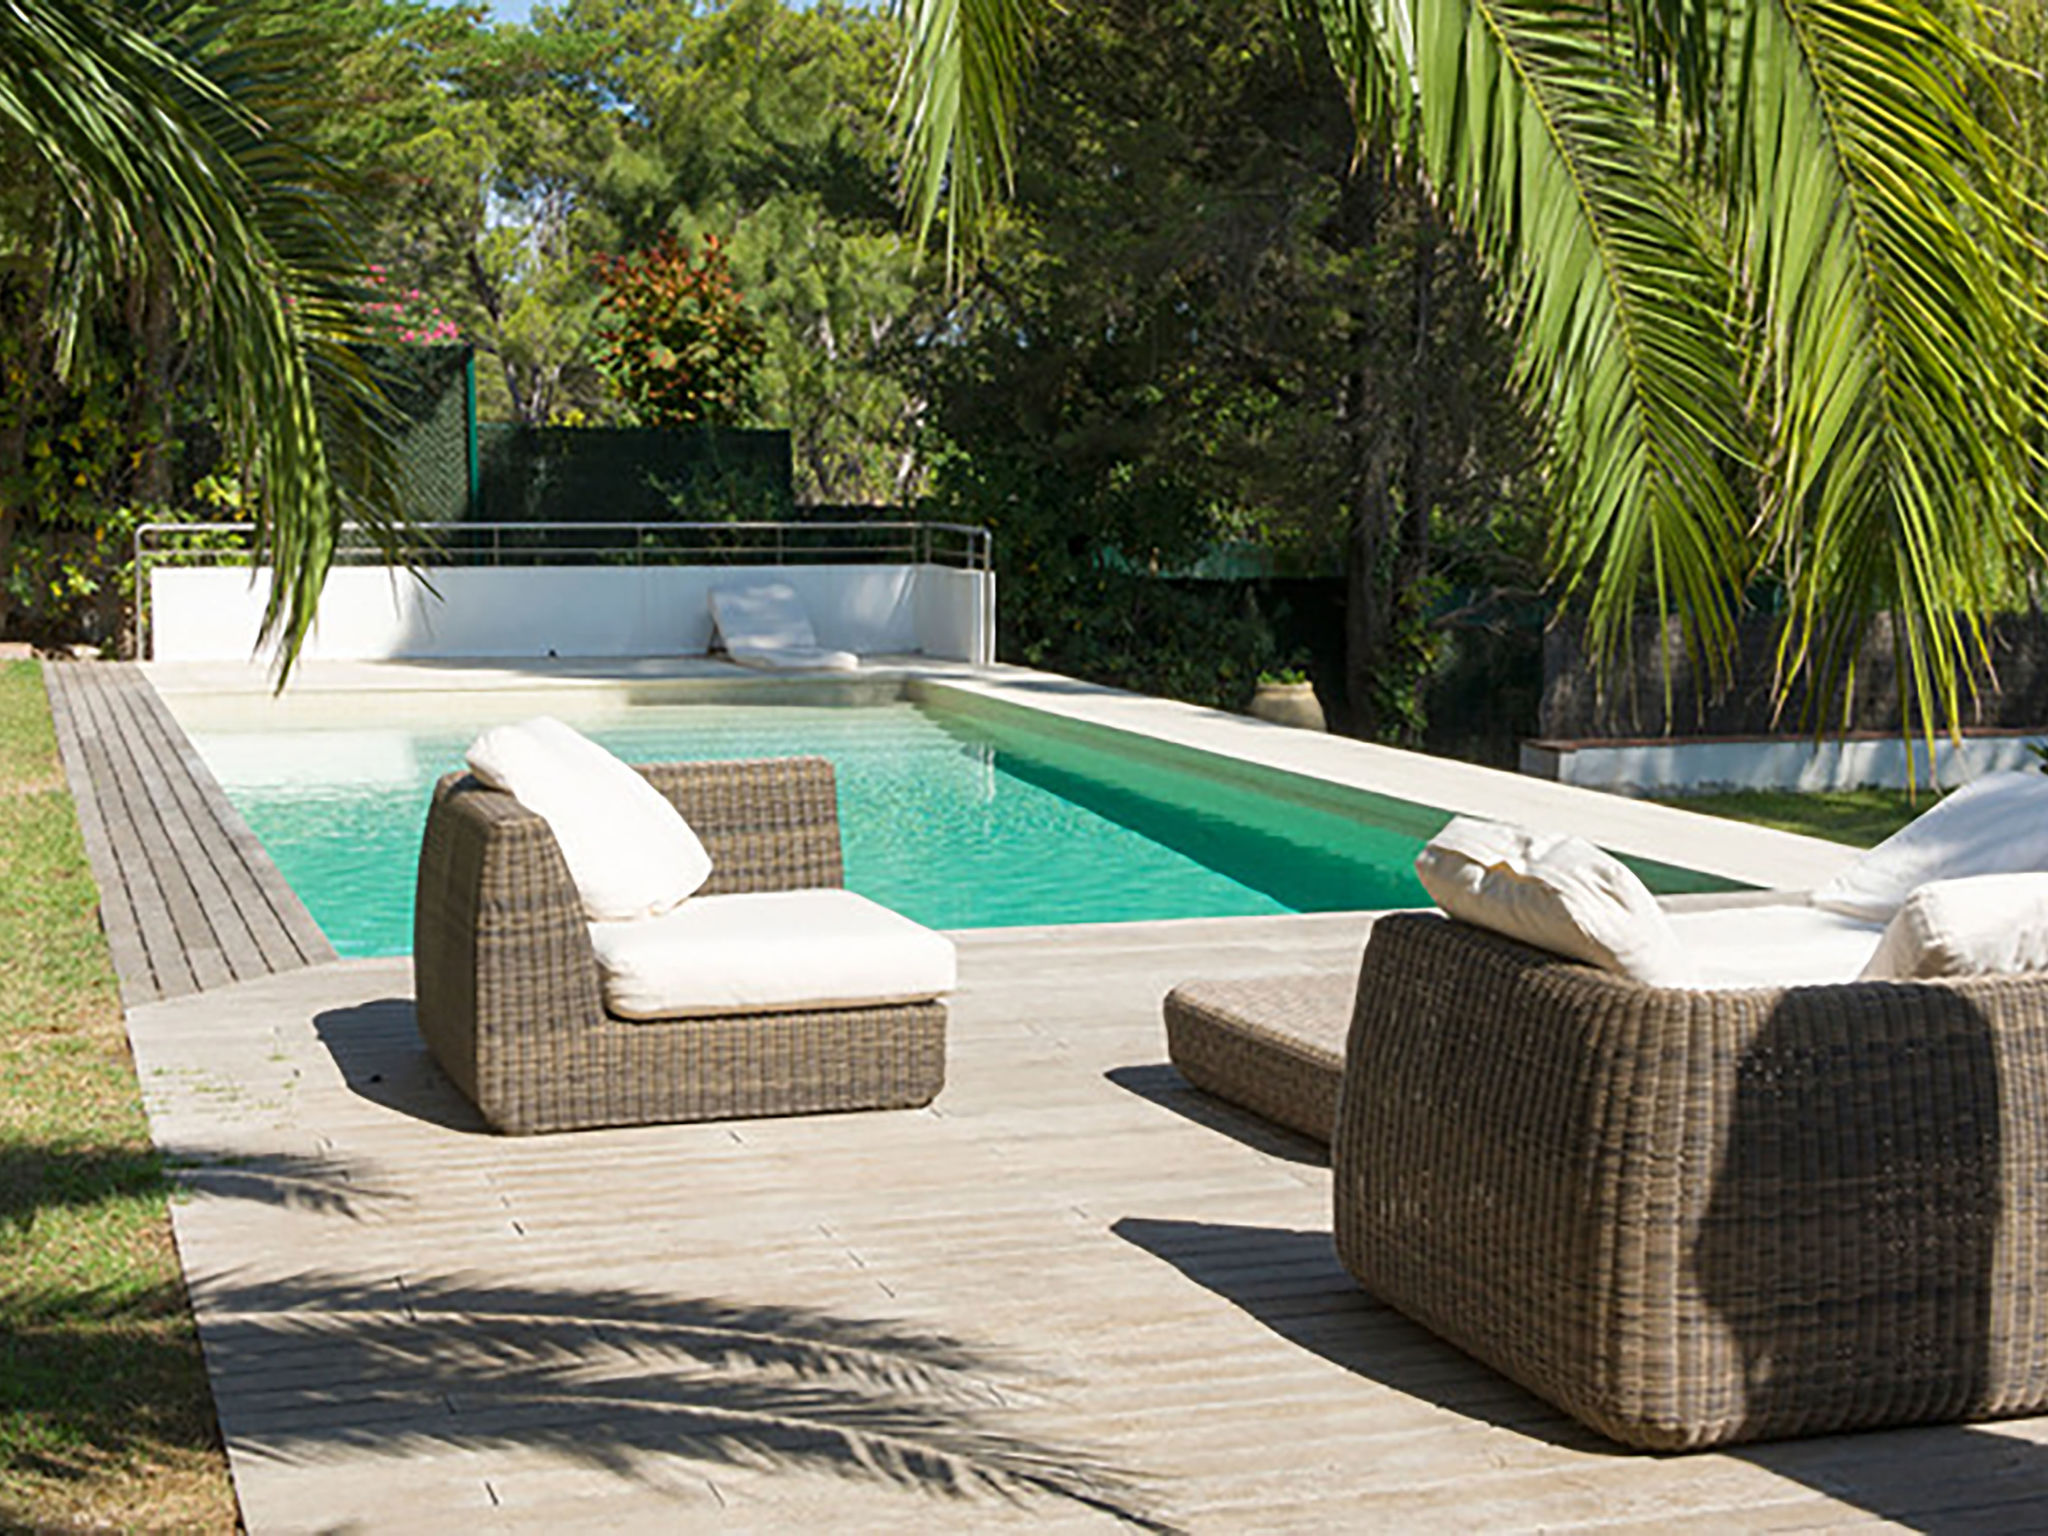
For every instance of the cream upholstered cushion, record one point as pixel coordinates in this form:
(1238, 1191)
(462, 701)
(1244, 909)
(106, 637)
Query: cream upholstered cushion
(629, 851)
(1774, 946)
(1557, 893)
(1981, 925)
(1994, 825)
(792, 658)
(765, 625)
(769, 951)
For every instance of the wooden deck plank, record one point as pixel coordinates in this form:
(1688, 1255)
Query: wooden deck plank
(577, 1323)
(171, 866)
(277, 915)
(117, 913)
(188, 897)
(169, 973)
(229, 952)
(232, 904)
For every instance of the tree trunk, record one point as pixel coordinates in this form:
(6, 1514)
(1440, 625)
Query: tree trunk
(149, 403)
(1368, 461)
(1394, 479)
(1419, 486)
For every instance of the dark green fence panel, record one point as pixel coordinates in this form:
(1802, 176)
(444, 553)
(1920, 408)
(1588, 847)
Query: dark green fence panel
(429, 388)
(631, 474)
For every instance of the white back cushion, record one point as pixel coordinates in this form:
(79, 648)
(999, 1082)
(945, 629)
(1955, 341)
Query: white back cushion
(1981, 925)
(1994, 825)
(1557, 893)
(628, 850)
(764, 617)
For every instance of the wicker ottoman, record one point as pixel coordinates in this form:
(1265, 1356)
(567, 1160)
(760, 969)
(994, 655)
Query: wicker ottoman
(1271, 1044)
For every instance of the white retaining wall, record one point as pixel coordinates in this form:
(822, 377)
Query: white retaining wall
(1680, 767)
(373, 614)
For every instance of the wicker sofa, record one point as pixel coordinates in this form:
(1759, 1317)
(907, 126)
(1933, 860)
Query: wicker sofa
(508, 993)
(1691, 1218)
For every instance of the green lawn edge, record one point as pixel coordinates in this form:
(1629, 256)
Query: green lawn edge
(106, 1420)
(1861, 818)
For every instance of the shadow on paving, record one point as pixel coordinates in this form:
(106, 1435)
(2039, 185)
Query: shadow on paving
(617, 1378)
(1291, 1282)
(378, 1050)
(1951, 1479)
(1163, 1085)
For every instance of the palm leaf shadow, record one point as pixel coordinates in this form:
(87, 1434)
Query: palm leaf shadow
(36, 1177)
(618, 1378)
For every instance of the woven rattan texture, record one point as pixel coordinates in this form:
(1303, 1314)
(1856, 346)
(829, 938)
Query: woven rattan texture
(507, 989)
(1693, 1218)
(1273, 1045)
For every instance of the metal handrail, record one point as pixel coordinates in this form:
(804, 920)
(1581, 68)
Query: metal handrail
(963, 545)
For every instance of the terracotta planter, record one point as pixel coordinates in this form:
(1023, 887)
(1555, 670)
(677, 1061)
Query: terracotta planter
(1288, 704)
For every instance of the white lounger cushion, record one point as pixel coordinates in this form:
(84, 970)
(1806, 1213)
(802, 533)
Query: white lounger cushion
(792, 658)
(629, 851)
(1994, 825)
(1558, 893)
(769, 951)
(1780, 946)
(765, 626)
(1984, 925)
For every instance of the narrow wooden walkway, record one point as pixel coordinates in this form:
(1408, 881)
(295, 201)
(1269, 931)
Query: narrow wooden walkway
(188, 897)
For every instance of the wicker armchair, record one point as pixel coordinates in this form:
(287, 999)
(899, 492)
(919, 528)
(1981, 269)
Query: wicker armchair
(508, 997)
(1692, 1218)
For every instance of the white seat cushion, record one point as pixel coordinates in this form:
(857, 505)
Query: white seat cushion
(1983, 925)
(792, 658)
(629, 851)
(1784, 946)
(1994, 825)
(769, 951)
(1554, 892)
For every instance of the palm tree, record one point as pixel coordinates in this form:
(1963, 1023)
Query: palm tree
(1773, 298)
(168, 147)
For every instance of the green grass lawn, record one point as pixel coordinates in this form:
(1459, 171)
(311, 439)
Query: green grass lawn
(106, 1422)
(1862, 817)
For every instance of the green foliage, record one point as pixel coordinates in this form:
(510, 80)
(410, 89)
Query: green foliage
(105, 1417)
(483, 149)
(506, 159)
(768, 125)
(681, 347)
(1202, 324)
(161, 186)
(1768, 261)
(1069, 607)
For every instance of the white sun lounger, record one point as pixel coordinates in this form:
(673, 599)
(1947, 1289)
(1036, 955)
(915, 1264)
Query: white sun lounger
(766, 626)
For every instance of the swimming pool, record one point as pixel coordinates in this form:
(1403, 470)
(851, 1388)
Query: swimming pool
(956, 820)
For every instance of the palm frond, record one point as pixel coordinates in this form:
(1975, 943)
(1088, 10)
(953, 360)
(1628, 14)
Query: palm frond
(1897, 366)
(957, 104)
(1372, 46)
(1537, 140)
(168, 153)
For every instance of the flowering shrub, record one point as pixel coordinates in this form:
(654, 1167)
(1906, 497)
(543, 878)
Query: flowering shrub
(407, 315)
(683, 349)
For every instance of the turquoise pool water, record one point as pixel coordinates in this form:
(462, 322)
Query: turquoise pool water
(957, 822)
